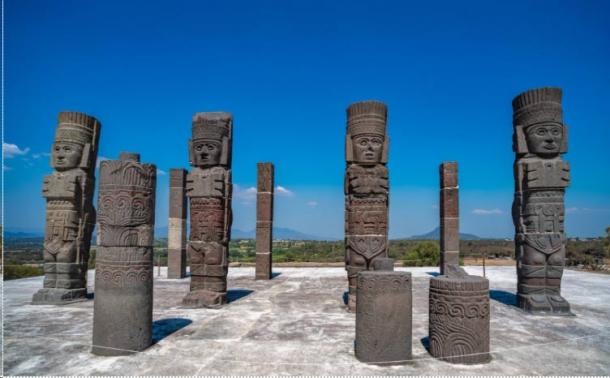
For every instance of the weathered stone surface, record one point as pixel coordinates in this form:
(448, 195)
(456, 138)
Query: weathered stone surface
(459, 318)
(383, 317)
(264, 220)
(70, 215)
(449, 215)
(122, 314)
(209, 190)
(541, 176)
(366, 190)
(176, 237)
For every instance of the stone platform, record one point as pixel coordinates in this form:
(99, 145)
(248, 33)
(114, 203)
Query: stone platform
(297, 324)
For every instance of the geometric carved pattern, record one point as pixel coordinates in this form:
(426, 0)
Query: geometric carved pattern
(366, 190)
(122, 314)
(459, 319)
(541, 176)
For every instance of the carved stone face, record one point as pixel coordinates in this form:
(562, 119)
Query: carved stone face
(367, 148)
(545, 139)
(66, 155)
(207, 152)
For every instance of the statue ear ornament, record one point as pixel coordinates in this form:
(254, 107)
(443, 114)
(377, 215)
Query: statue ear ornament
(564, 143)
(519, 141)
(85, 160)
(191, 154)
(386, 150)
(349, 149)
(224, 155)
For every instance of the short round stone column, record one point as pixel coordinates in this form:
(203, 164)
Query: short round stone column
(459, 319)
(383, 317)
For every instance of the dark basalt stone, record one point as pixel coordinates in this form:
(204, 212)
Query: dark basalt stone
(541, 177)
(122, 311)
(383, 317)
(366, 190)
(70, 215)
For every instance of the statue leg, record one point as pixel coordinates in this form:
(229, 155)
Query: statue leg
(554, 272)
(70, 273)
(355, 264)
(50, 270)
(532, 281)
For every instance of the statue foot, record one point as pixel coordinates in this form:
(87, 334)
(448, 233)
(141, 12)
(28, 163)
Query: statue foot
(535, 303)
(205, 298)
(559, 304)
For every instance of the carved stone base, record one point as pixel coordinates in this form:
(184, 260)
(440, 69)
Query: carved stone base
(205, 298)
(544, 304)
(59, 296)
(383, 318)
(459, 319)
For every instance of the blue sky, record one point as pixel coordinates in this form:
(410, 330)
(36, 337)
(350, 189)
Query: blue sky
(287, 70)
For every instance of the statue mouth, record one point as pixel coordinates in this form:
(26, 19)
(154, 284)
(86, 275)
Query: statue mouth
(550, 146)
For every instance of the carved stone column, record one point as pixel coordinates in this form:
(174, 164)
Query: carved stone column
(70, 215)
(459, 319)
(366, 190)
(383, 317)
(449, 216)
(459, 303)
(541, 176)
(209, 189)
(176, 236)
(122, 312)
(264, 220)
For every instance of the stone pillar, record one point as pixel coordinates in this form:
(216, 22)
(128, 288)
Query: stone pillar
(264, 220)
(209, 189)
(70, 215)
(449, 216)
(176, 235)
(366, 190)
(459, 319)
(383, 317)
(541, 177)
(122, 311)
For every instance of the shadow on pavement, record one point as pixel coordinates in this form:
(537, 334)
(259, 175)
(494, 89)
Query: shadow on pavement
(502, 296)
(165, 327)
(237, 294)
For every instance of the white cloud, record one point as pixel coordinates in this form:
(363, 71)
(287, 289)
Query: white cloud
(39, 155)
(586, 210)
(312, 203)
(281, 191)
(487, 211)
(245, 196)
(11, 150)
(161, 172)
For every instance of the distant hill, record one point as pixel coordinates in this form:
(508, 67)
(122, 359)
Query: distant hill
(22, 235)
(436, 235)
(278, 233)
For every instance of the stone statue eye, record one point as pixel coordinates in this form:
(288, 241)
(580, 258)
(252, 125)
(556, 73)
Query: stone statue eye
(199, 147)
(211, 147)
(556, 131)
(363, 142)
(376, 142)
(67, 148)
(541, 131)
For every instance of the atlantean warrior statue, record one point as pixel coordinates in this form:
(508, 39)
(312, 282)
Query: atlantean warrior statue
(541, 176)
(366, 191)
(122, 313)
(209, 188)
(70, 215)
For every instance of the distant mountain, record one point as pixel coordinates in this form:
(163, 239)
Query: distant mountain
(22, 235)
(278, 233)
(436, 235)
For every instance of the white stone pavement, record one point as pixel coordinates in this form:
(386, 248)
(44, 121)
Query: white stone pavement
(297, 324)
